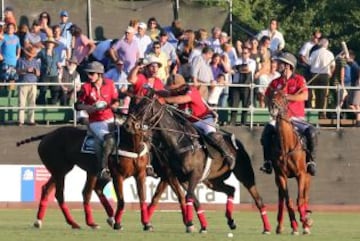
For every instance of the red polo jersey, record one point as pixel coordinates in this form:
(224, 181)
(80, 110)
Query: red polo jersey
(139, 89)
(89, 95)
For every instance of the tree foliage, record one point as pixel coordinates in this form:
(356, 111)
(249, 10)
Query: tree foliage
(338, 20)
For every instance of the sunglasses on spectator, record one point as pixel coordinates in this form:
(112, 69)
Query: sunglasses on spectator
(91, 73)
(156, 47)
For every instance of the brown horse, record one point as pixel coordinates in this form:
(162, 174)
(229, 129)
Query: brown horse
(289, 162)
(178, 146)
(132, 160)
(59, 151)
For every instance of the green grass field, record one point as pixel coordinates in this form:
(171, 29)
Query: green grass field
(16, 225)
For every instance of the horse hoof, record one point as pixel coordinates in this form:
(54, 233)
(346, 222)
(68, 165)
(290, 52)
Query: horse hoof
(110, 221)
(279, 230)
(93, 226)
(148, 227)
(306, 231)
(295, 232)
(203, 230)
(190, 229)
(117, 226)
(75, 226)
(38, 223)
(232, 225)
(267, 232)
(309, 222)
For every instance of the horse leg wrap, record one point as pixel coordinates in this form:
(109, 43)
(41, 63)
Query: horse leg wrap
(144, 213)
(189, 211)
(265, 219)
(42, 208)
(118, 215)
(105, 202)
(65, 210)
(201, 216)
(183, 212)
(150, 210)
(280, 216)
(88, 214)
(229, 208)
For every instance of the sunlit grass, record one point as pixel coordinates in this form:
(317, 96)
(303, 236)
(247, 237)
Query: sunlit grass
(16, 225)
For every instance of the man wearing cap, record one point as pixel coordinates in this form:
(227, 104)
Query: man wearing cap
(296, 93)
(144, 40)
(99, 98)
(190, 101)
(69, 75)
(126, 49)
(167, 47)
(64, 25)
(28, 69)
(144, 74)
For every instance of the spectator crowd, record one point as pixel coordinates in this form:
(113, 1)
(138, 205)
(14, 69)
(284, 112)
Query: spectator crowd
(57, 51)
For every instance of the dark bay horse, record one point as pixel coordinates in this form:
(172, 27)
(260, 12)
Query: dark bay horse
(289, 161)
(181, 149)
(59, 151)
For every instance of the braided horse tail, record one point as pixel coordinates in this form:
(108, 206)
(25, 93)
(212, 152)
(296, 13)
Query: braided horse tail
(31, 139)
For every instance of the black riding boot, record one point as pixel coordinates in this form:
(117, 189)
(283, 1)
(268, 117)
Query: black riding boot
(266, 142)
(218, 141)
(107, 148)
(311, 142)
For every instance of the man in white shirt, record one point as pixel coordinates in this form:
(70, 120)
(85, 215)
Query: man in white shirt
(144, 41)
(244, 74)
(277, 41)
(322, 66)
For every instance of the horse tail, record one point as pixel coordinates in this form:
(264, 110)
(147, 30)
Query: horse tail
(31, 139)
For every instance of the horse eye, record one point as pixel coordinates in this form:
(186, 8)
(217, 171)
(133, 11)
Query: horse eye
(137, 126)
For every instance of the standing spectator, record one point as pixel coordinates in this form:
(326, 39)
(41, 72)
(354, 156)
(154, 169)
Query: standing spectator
(201, 72)
(101, 52)
(50, 65)
(168, 48)
(10, 52)
(144, 41)
(118, 75)
(214, 40)
(28, 69)
(69, 75)
(126, 49)
(64, 25)
(202, 36)
(45, 26)
(82, 49)
(354, 98)
(33, 37)
(277, 42)
(265, 79)
(184, 50)
(2, 28)
(322, 66)
(61, 48)
(21, 33)
(163, 71)
(304, 53)
(153, 28)
(245, 69)
(174, 32)
(9, 16)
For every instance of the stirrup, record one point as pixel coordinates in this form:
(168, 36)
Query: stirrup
(311, 168)
(104, 174)
(266, 167)
(150, 171)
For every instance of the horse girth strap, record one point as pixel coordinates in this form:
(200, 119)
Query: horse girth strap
(196, 145)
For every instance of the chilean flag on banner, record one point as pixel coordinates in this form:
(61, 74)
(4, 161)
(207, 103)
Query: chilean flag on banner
(32, 179)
